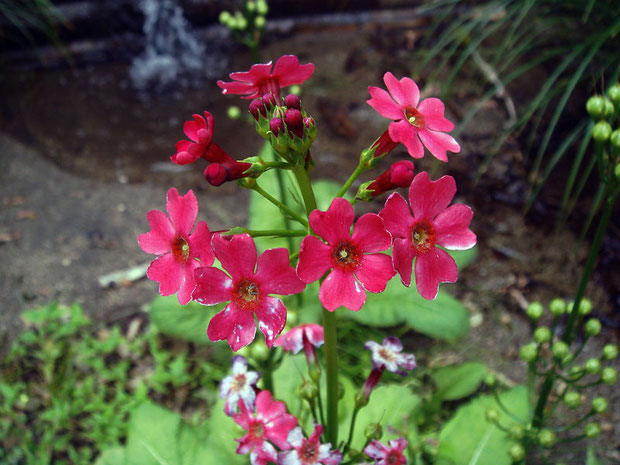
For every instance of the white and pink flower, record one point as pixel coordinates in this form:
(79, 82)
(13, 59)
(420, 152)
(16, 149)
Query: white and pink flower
(356, 266)
(425, 223)
(293, 340)
(180, 251)
(308, 451)
(392, 454)
(389, 355)
(240, 386)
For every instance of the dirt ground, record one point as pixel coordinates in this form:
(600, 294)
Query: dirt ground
(82, 159)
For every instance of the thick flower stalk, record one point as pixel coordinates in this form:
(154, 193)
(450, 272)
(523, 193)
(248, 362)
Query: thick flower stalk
(240, 386)
(247, 287)
(416, 124)
(425, 223)
(355, 265)
(180, 251)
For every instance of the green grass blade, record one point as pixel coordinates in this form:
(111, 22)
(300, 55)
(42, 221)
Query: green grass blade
(596, 205)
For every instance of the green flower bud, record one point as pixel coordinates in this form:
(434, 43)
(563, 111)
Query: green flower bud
(490, 379)
(250, 5)
(315, 372)
(492, 415)
(592, 430)
(593, 366)
(535, 310)
(261, 7)
(601, 131)
(557, 307)
(575, 370)
(572, 399)
(615, 139)
(593, 327)
(610, 352)
(528, 352)
(234, 112)
(599, 404)
(542, 335)
(608, 109)
(307, 390)
(259, 351)
(595, 106)
(516, 453)
(560, 350)
(259, 22)
(614, 95)
(609, 375)
(241, 23)
(516, 432)
(373, 431)
(225, 18)
(547, 438)
(585, 307)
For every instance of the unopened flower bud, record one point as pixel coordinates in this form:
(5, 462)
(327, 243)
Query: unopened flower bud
(601, 131)
(373, 431)
(572, 399)
(233, 112)
(261, 7)
(516, 432)
(529, 352)
(547, 438)
(560, 350)
(610, 352)
(585, 307)
(614, 95)
(276, 125)
(615, 139)
(575, 370)
(608, 109)
(292, 101)
(218, 173)
(593, 327)
(492, 415)
(293, 118)
(516, 453)
(250, 5)
(557, 306)
(257, 106)
(542, 335)
(599, 404)
(269, 100)
(225, 18)
(314, 371)
(595, 106)
(592, 430)
(609, 375)
(259, 22)
(490, 380)
(400, 174)
(535, 310)
(593, 366)
(307, 390)
(240, 22)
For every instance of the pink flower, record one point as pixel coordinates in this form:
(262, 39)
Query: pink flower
(308, 451)
(262, 80)
(271, 424)
(293, 340)
(387, 455)
(180, 251)
(247, 290)
(414, 124)
(239, 386)
(433, 223)
(200, 133)
(388, 355)
(350, 257)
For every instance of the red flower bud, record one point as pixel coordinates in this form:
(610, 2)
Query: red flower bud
(292, 101)
(269, 100)
(276, 125)
(384, 145)
(217, 174)
(309, 122)
(256, 106)
(292, 118)
(401, 173)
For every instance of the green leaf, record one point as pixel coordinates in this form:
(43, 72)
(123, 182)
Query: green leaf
(112, 456)
(443, 318)
(187, 322)
(591, 458)
(464, 257)
(220, 444)
(458, 381)
(468, 439)
(153, 436)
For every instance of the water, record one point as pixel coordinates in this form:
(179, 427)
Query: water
(173, 56)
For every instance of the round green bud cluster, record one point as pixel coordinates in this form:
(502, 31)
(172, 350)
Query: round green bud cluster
(233, 112)
(542, 335)
(614, 95)
(516, 453)
(609, 375)
(610, 352)
(595, 106)
(516, 432)
(572, 399)
(259, 22)
(592, 430)
(608, 109)
(373, 431)
(492, 415)
(529, 352)
(585, 306)
(599, 404)
(250, 6)
(547, 438)
(593, 366)
(535, 310)
(307, 390)
(557, 307)
(225, 18)
(560, 350)
(261, 7)
(593, 327)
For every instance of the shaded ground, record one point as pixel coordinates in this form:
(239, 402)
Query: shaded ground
(93, 159)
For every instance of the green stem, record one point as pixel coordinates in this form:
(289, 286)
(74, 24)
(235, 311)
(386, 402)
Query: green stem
(285, 208)
(351, 429)
(277, 232)
(343, 190)
(280, 165)
(305, 186)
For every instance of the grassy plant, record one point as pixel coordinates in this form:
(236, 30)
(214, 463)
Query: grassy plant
(28, 17)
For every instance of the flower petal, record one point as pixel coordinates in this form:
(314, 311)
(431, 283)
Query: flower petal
(235, 325)
(257, 73)
(236, 253)
(271, 315)
(428, 198)
(236, 88)
(402, 258)
(314, 259)
(159, 239)
(376, 450)
(433, 268)
(296, 437)
(191, 128)
(288, 71)
(334, 224)
(187, 286)
(432, 109)
(382, 102)
(452, 228)
(438, 143)
(370, 235)
(375, 271)
(289, 457)
(276, 275)
(200, 244)
(403, 131)
(167, 272)
(396, 216)
(340, 288)
(405, 91)
(182, 210)
(213, 286)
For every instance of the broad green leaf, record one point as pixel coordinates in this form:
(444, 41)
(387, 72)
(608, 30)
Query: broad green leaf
(391, 406)
(112, 456)
(443, 318)
(469, 439)
(458, 381)
(187, 322)
(219, 444)
(464, 257)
